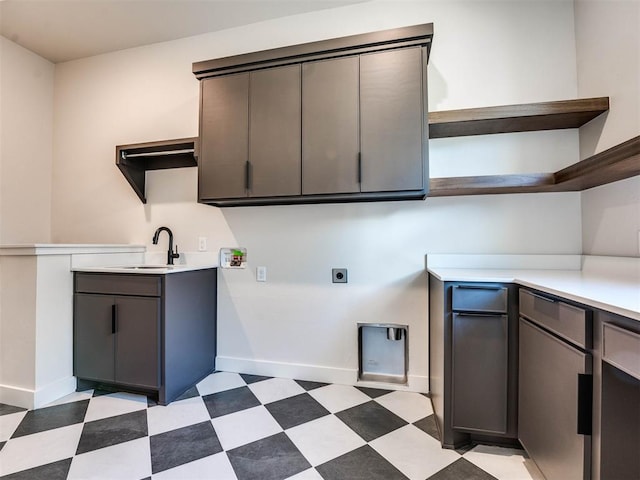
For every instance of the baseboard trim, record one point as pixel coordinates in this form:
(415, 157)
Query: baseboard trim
(27, 398)
(314, 373)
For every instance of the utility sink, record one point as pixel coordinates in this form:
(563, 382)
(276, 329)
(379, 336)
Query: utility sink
(147, 267)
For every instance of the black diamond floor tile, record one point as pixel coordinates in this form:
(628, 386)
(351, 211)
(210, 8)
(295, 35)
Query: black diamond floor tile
(2, 445)
(8, 409)
(52, 471)
(461, 469)
(272, 458)
(192, 392)
(112, 431)
(310, 385)
(373, 392)
(49, 418)
(361, 464)
(296, 410)
(371, 420)
(428, 425)
(253, 378)
(99, 393)
(184, 445)
(230, 401)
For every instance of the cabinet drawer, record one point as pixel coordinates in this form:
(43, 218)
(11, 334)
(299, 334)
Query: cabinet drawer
(111, 284)
(479, 298)
(621, 348)
(567, 321)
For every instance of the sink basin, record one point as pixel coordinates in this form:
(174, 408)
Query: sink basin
(150, 267)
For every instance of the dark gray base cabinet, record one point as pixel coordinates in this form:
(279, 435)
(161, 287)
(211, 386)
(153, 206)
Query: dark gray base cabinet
(555, 385)
(473, 353)
(154, 334)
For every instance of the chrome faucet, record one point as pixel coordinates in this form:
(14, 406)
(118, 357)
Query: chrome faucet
(170, 254)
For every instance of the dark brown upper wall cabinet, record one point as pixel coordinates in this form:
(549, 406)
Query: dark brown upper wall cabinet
(274, 132)
(391, 115)
(330, 126)
(332, 121)
(224, 137)
(250, 134)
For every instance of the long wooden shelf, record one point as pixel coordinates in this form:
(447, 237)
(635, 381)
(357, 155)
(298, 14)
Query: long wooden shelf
(134, 160)
(617, 163)
(516, 118)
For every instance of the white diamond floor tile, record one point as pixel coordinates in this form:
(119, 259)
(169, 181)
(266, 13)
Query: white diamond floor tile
(414, 452)
(245, 427)
(275, 389)
(409, 406)
(219, 382)
(72, 397)
(213, 467)
(176, 415)
(336, 398)
(114, 404)
(309, 474)
(324, 439)
(9, 423)
(38, 449)
(504, 463)
(129, 460)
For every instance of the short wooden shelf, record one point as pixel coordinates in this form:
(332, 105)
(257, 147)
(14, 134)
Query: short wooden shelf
(134, 160)
(516, 118)
(617, 163)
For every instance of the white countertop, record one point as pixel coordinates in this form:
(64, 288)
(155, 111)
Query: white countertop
(143, 269)
(67, 249)
(607, 283)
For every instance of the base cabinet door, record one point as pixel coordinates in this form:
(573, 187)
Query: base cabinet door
(549, 404)
(117, 339)
(137, 346)
(94, 338)
(480, 372)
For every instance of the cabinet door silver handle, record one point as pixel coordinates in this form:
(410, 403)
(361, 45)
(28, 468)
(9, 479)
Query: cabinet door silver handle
(485, 315)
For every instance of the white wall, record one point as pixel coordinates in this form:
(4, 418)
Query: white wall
(26, 133)
(608, 54)
(298, 323)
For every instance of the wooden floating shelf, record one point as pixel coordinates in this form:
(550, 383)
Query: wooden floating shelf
(134, 160)
(616, 163)
(516, 118)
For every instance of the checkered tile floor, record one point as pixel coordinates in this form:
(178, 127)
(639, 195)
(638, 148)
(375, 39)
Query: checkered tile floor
(245, 427)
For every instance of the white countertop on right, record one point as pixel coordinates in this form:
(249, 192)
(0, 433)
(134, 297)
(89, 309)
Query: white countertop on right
(607, 283)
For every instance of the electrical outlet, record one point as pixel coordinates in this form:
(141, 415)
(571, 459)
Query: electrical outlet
(261, 274)
(202, 244)
(339, 275)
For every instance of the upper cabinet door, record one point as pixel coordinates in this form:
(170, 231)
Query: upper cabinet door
(392, 120)
(330, 126)
(224, 137)
(274, 132)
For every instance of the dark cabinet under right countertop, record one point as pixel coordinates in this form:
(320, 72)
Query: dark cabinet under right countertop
(555, 385)
(473, 335)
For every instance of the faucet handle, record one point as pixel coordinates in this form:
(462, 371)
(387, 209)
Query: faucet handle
(175, 254)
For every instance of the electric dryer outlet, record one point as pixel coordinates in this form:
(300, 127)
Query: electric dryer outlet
(339, 275)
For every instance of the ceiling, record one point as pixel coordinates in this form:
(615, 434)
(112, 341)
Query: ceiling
(62, 30)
